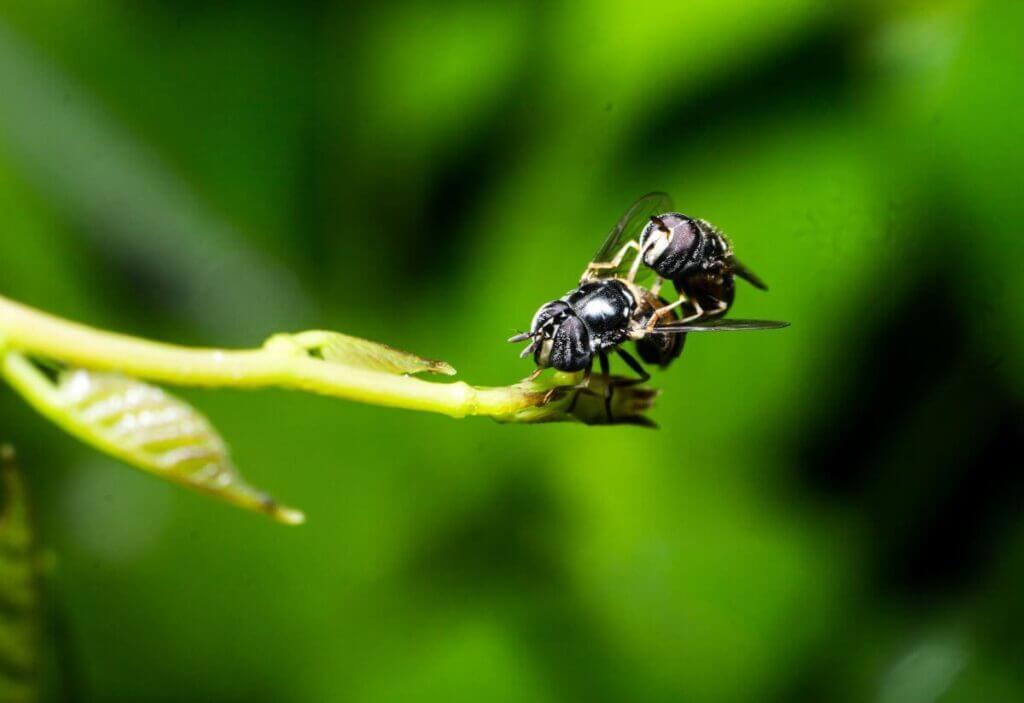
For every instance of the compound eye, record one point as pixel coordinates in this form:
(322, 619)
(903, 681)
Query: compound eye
(570, 348)
(668, 242)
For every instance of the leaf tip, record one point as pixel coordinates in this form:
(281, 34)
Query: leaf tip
(441, 367)
(288, 516)
(281, 513)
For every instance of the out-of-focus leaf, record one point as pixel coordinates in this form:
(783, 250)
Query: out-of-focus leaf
(443, 65)
(925, 673)
(143, 426)
(353, 351)
(977, 131)
(19, 596)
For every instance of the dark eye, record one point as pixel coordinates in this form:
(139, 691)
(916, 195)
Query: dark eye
(684, 232)
(669, 257)
(685, 236)
(570, 348)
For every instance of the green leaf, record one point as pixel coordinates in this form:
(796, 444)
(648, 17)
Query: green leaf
(352, 351)
(142, 425)
(560, 399)
(19, 593)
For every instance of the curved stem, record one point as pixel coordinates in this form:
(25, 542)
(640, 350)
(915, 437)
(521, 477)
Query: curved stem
(45, 335)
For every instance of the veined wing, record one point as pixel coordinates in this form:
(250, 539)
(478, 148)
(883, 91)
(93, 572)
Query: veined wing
(718, 325)
(628, 228)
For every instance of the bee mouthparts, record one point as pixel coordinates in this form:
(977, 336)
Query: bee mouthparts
(521, 337)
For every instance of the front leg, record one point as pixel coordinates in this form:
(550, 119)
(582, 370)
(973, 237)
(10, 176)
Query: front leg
(615, 262)
(636, 264)
(533, 376)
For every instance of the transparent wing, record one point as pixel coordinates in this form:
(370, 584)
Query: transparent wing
(628, 228)
(718, 325)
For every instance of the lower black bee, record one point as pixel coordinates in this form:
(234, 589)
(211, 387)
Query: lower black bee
(595, 318)
(610, 307)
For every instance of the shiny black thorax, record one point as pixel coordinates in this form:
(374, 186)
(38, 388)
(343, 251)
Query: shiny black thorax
(606, 308)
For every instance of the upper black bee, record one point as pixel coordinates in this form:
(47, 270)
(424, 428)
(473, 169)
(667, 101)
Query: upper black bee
(610, 306)
(691, 253)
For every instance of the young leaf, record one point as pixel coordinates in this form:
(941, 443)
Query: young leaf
(143, 426)
(352, 351)
(560, 399)
(19, 594)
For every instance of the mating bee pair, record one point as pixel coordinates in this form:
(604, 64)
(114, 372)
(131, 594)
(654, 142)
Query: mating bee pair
(614, 303)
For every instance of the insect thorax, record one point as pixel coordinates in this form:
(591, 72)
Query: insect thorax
(606, 307)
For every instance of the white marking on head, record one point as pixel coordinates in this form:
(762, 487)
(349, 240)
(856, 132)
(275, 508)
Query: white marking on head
(544, 358)
(656, 244)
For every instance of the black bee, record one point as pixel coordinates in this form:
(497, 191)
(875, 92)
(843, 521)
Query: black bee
(691, 253)
(610, 307)
(598, 316)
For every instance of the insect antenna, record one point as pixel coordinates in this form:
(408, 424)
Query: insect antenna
(660, 223)
(529, 349)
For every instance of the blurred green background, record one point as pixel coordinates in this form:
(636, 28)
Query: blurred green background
(833, 512)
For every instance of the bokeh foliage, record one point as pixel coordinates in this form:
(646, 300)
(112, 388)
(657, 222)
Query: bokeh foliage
(827, 513)
(19, 589)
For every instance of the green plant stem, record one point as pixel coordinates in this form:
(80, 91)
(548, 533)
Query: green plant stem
(41, 334)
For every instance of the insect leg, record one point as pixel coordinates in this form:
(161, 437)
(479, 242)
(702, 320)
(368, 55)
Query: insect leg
(660, 224)
(533, 376)
(655, 289)
(683, 299)
(633, 364)
(698, 312)
(605, 370)
(636, 264)
(585, 382)
(583, 386)
(616, 260)
(720, 308)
